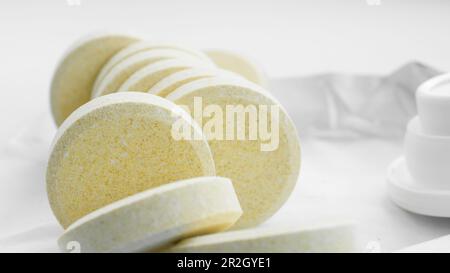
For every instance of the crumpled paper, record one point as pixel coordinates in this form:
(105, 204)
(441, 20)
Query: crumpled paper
(350, 127)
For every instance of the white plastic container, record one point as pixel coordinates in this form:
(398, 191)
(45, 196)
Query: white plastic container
(433, 105)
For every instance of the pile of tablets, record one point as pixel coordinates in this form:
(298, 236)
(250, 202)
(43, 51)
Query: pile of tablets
(147, 155)
(419, 180)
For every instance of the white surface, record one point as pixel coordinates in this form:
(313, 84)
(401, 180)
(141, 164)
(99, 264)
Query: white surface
(342, 175)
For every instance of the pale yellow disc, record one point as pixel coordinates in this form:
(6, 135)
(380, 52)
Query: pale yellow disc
(144, 79)
(75, 75)
(168, 84)
(118, 145)
(156, 218)
(112, 81)
(322, 238)
(263, 165)
(145, 46)
(239, 64)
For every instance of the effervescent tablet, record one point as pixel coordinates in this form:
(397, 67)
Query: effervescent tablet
(170, 83)
(253, 141)
(313, 238)
(144, 78)
(145, 46)
(240, 64)
(119, 73)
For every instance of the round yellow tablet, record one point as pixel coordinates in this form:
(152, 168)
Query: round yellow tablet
(156, 218)
(168, 84)
(75, 75)
(116, 146)
(252, 138)
(239, 64)
(144, 79)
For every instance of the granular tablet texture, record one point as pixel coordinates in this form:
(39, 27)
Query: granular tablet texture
(253, 141)
(75, 75)
(119, 145)
(310, 239)
(156, 218)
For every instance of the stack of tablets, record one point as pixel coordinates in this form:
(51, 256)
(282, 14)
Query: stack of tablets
(159, 142)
